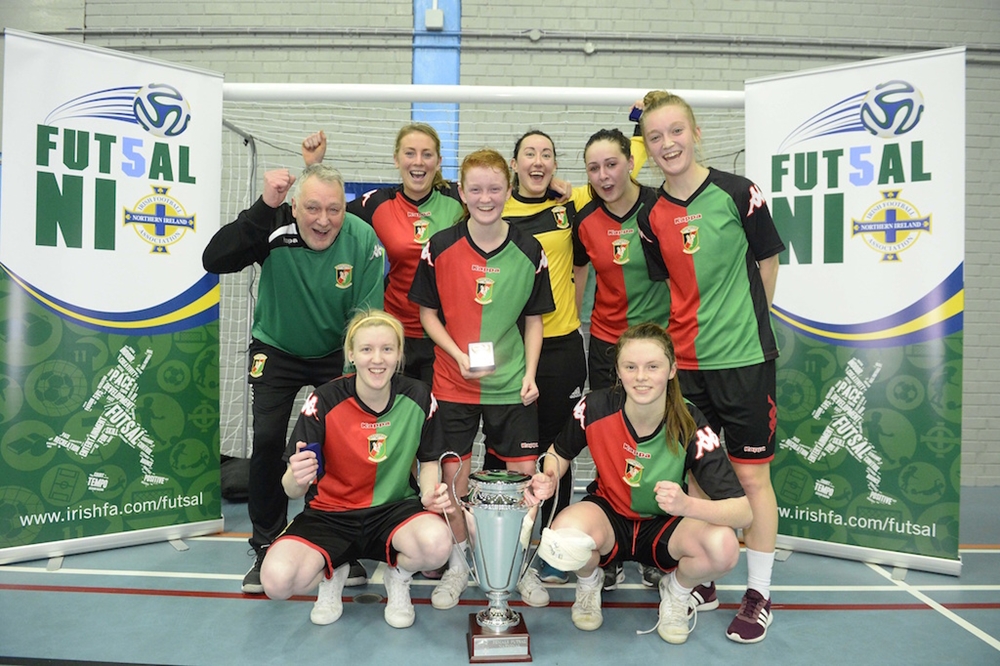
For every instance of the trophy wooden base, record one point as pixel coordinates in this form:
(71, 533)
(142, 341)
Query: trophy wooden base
(486, 647)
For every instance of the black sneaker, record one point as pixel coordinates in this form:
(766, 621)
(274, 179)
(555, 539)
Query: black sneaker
(650, 575)
(251, 582)
(613, 575)
(357, 575)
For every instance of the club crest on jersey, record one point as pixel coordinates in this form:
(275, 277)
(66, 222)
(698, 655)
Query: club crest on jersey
(562, 221)
(376, 447)
(257, 365)
(633, 472)
(345, 275)
(689, 234)
(420, 228)
(484, 290)
(891, 225)
(620, 248)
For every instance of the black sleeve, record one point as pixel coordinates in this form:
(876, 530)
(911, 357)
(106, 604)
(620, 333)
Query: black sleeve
(243, 242)
(572, 439)
(655, 266)
(708, 461)
(424, 289)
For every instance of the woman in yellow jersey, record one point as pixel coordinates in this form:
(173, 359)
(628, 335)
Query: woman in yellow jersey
(562, 369)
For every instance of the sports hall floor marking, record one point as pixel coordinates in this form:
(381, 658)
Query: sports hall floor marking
(961, 622)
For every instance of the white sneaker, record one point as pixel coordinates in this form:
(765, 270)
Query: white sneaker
(586, 611)
(398, 607)
(678, 617)
(532, 591)
(329, 604)
(447, 592)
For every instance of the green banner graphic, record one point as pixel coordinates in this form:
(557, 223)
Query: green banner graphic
(101, 434)
(868, 444)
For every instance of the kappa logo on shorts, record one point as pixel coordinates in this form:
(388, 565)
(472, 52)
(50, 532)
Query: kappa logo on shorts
(257, 365)
(529, 445)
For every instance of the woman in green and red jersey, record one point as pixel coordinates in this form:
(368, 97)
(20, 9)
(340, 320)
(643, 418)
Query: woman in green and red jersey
(608, 237)
(368, 428)
(476, 281)
(711, 236)
(645, 440)
(404, 217)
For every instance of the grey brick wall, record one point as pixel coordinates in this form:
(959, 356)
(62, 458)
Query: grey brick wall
(677, 44)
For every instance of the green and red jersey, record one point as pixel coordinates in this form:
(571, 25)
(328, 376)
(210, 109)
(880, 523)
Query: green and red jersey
(624, 293)
(367, 456)
(304, 298)
(708, 247)
(404, 226)
(482, 297)
(628, 467)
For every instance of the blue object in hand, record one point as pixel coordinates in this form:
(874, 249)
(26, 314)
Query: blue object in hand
(317, 448)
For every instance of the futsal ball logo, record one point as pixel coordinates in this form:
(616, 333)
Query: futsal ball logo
(892, 108)
(161, 110)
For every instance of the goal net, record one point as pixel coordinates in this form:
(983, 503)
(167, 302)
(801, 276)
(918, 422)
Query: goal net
(264, 125)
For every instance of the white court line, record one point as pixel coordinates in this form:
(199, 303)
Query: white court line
(123, 572)
(966, 551)
(377, 578)
(968, 626)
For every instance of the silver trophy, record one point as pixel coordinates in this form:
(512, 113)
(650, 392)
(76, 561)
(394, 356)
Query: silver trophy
(499, 523)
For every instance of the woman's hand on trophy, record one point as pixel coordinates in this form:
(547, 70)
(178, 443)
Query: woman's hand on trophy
(437, 499)
(542, 487)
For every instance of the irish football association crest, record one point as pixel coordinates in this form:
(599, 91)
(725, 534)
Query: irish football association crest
(159, 219)
(891, 226)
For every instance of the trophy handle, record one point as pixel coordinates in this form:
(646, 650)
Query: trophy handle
(461, 505)
(538, 468)
(454, 493)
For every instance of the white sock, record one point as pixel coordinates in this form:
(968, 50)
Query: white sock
(405, 573)
(591, 580)
(759, 566)
(675, 588)
(457, 558)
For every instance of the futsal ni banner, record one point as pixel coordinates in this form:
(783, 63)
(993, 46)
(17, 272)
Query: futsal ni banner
(864, 169)
(109, 377)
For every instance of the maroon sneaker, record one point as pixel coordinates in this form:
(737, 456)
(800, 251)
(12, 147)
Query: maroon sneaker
(705, 597)
(751, 623)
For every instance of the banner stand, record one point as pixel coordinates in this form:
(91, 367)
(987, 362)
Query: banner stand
(874, 556)
(106, 542)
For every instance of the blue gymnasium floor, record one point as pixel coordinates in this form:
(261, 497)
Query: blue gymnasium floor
(153, 604)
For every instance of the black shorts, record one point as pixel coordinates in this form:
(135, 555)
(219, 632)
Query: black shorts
(740, 405)
(561, 376)
(511, 430)
(418, 359)
(601, 364)
(350, 535)
(645, 541)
